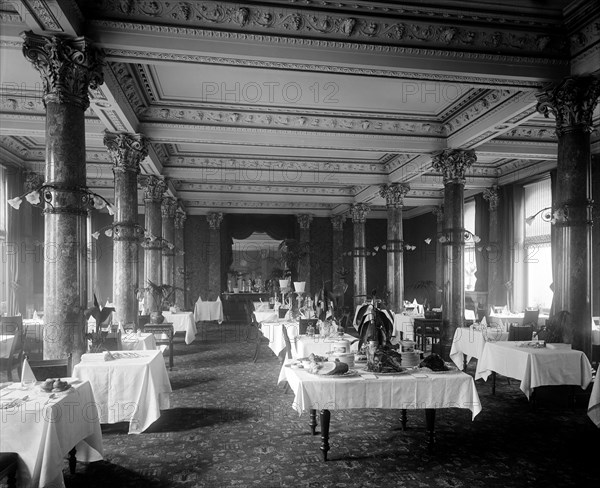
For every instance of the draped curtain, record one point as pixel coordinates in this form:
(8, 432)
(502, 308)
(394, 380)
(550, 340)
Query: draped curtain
(14, 240)
(482, 229)
(553, 237)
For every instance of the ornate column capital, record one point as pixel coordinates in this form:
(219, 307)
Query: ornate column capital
(453, 163)
(153, 187)
(394, 194)
(358, 212)
(32, 181)
(126, 150)
(572, 102)
(214, 220)
(439, 213)
(69, 66)
(492, 195)
(180, 218)
(304, 220)
(337, 221)
(168, 207)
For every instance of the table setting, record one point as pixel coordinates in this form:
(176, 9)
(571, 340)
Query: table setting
(468, 342)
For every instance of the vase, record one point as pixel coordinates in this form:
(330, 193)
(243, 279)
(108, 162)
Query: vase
(156, 318)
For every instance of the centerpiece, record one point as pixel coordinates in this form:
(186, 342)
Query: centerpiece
(100, 314)
(162, 296)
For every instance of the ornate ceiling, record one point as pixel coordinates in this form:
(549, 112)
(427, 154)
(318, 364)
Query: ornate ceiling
(307, 106)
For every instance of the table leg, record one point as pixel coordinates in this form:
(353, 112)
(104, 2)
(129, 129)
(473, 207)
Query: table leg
(325, 418)
(72, 460)
(493, 382)
(403, 418)
(464, 363)
(430, 422)
(313, 421)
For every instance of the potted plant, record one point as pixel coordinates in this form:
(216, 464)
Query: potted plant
(163, 297)
(426, 290)
(100, 315)
(292, 253)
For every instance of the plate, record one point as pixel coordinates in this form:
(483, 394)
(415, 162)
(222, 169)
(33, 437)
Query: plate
(391, 373)
(348, 374)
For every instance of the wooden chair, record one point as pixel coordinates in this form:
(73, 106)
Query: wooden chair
(531, 318)
(8, 468)
(13, 326)
(163, 334)
(520, 332)
(252, 322)
(142, 321)
(427, 328)
(51, 368)
(288, 344)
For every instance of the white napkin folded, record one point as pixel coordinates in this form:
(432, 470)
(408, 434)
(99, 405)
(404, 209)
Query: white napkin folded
(35, 315)
(27, 373)
(484, 322)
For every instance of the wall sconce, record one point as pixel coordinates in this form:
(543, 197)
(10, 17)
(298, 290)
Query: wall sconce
(88, 197)
(557, 216)
(428, 241)
(468, 235)
(546, 215)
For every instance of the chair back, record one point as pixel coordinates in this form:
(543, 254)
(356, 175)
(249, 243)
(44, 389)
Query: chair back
(304, 323)
(286, 339)
(9, 325)
(51, 368)
(143, 320)
(163, 335)
(531, 318)
(520, 332)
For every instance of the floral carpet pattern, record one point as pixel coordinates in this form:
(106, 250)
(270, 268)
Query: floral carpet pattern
(230, 425)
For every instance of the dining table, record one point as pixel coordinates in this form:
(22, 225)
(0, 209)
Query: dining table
(468, 342)
(182, 322)
(138, 341)
(208, 310)
(507, 318)
(416, 388)
(534, 365)
(593, 409)
(132, 387)
(273, 331)
(6, 341)
(43, 428)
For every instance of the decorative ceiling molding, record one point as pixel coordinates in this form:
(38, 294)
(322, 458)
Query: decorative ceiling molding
(258, 189)
(528, 132)
(42, 14)
(477, 109)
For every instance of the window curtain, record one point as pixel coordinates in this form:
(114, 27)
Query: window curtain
(14, 239)
(553, 237)
(482, 229)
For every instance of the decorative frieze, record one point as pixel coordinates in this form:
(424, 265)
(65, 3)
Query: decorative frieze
(304, 221)
(43, 14)
(126, 150)
(214, 220)
(530, 133)
(394, 194)
(492, 195)
(337, 222)
(68, 67)
(359, 211)
(478, 108)
(154, 187)
(572, 102)
(453, 164)
(168, 207)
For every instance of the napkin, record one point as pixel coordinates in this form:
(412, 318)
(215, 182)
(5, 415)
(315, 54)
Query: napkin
(484, 322)
(27, 373)
(35, 315)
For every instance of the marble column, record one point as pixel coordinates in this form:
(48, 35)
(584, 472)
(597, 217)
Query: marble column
(179, 259)
(304, 221)
(168, 209)
(453, 163)
(214, 220)
(358, 212)
(394, 199)
(439, 254)
(492, 249)
(154, 187)
(126, 152)
(338, 281)
(68, 67)
(572, 102)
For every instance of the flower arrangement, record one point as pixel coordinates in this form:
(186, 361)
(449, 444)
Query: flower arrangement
(100, 315)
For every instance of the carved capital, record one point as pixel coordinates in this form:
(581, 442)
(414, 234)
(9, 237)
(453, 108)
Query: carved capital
(214, 220)
(153, 187)
(126, 150)
(337, 221)
(304, 220)
(439, 213)
(33, 181)
(492, 195)
(180, 218)
(394, 194)
(358, 212)
(572, 102)
(69, 66)
(168, 207)
(453, 164)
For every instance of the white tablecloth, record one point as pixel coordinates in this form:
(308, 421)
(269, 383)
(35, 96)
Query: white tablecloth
(43, 433)
(596, 335)
(506, 319)
(451, 389)
(534, 367)
(5, 345)
(204, 311)
(138, 342)
(274, 332)
(182, 322)
(469, 342)
(132, 390)
(594, 405)
(266, 316)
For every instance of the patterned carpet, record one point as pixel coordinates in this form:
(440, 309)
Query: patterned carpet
(230, 425)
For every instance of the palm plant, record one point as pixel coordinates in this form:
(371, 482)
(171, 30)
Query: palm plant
(162, 296)
(100, 315)
(375, 323)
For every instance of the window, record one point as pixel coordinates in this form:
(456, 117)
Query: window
(470, 261)
(538, 252)
(3, 251)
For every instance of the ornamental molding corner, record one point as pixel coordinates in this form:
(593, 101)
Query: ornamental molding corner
(127, 150)
(453, 164)
(337, 222)
(125, 80)
(68, 66)
(394, 194)
(572, 102)
(304, 221)
(214, 220)
(168, 207)
(154, 187)
(42, 14)
(477, 109)
(492, 195)
(358, 212)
